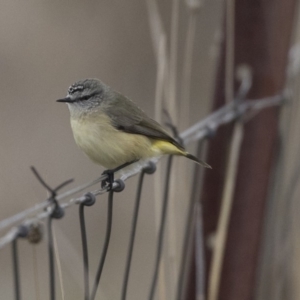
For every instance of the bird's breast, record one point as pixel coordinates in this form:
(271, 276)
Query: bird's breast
(106, 145)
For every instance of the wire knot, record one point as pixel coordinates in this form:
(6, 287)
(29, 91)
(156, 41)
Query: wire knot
(120, 186)
(210, 132)
(22, 231)
(35, 233)
(150, 168)
(89, 200)
(58, 212)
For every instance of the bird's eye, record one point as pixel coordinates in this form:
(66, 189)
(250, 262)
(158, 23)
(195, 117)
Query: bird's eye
(75, 88)
(91, 95)
(86, 97)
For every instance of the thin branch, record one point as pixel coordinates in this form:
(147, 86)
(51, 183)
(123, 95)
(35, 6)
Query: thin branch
(227, 199)
(229, 69)
(187, 69)
(59, 268)
(172, 100)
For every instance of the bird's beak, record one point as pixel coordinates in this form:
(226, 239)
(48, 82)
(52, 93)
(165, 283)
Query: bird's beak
(66, 100)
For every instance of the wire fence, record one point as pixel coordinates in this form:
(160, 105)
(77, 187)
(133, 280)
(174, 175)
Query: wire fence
(36, 222)
(28, 224)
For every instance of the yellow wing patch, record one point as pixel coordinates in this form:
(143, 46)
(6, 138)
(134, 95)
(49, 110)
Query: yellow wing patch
(165, 147)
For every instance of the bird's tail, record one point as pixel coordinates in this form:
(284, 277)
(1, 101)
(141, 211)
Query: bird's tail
(165, 147)
(198, 161)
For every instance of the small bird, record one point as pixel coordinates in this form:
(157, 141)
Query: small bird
(113, 131)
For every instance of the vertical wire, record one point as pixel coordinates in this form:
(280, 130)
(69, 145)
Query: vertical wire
(161, 229)
(106, 244)
(132, 235)
(198, 175)
(200, 258)
(16, 269)
(51, 260)
(84, 252)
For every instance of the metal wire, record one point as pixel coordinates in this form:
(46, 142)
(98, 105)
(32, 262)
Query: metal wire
(132, 235)
(197, 132)
(51, 260)
(16, 273)
(161, 229)
(84, 252)
(90, 200)
(106, 243)
(189, 222)
(200, 257)
(225, 114)
(11, 235)
(38, 207)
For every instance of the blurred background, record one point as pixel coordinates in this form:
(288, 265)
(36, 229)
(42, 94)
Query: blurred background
(176, 55)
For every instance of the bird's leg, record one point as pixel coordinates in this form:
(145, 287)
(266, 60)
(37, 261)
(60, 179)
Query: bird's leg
(108, 182)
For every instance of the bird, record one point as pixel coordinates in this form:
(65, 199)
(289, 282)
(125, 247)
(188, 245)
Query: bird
(113, 131)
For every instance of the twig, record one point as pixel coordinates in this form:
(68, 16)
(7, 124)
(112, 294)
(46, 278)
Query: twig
(187, 66)
(227, 198)
(172, 100)
(229, 68)
(59, 268)
(159, 42)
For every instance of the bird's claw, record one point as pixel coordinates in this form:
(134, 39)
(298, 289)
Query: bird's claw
(108, 182)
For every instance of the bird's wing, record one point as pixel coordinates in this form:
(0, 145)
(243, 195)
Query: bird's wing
(128, 117)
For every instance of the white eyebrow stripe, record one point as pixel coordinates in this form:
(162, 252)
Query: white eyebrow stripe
(75, 88)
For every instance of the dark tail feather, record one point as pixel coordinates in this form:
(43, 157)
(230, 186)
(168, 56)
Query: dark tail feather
(200, 162)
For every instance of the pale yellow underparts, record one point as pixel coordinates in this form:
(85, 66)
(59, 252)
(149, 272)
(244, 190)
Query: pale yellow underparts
(110, 147)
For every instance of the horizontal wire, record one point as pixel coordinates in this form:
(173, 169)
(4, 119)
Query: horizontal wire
(38, 207)
(226, 114)
(198, 131)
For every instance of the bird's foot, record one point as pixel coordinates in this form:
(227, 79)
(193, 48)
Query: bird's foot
(109, 180)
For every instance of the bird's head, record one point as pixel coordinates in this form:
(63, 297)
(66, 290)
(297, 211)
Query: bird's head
(85, 95)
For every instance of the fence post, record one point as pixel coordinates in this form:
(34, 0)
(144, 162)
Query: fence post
(263, 31)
